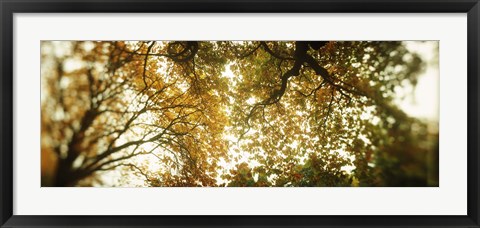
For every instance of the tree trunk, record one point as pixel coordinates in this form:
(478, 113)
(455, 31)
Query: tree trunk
(64, 176)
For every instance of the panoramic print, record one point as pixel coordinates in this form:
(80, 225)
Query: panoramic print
(239, 113)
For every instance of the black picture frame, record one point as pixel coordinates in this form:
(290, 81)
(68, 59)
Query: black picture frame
(10, 7)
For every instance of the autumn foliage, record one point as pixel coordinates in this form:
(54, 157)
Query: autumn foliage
(224, 113)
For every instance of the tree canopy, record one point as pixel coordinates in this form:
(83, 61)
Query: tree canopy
(233, 113)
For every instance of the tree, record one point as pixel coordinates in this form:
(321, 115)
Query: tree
(117, 102)
(335, 101)
(290, 114)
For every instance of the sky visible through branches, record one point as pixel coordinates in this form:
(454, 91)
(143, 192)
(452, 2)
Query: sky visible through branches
(239, 113)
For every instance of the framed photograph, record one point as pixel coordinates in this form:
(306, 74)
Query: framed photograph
(239, 113)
